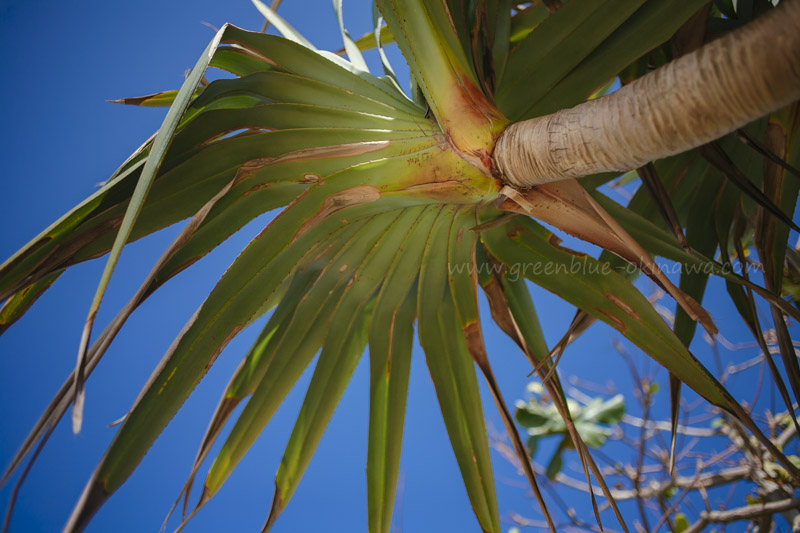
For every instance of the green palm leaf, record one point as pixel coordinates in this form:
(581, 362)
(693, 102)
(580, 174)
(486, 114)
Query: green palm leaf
(454, 375)
(390, 336)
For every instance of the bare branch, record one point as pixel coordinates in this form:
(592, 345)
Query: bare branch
(663, 425)
(747, 512)
(707, 480)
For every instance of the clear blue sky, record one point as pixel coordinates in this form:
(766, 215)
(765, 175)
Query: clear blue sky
(60, 62)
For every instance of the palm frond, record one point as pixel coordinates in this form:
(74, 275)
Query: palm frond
(391, 215)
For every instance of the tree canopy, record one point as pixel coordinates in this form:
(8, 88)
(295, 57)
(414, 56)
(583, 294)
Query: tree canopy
(396, 216)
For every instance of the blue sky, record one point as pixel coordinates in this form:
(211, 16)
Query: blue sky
(61, 62)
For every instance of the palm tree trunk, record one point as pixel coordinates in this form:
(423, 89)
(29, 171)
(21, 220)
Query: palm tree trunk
(693, 100)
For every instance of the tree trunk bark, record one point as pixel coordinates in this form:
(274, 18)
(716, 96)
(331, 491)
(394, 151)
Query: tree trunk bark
(688, 102)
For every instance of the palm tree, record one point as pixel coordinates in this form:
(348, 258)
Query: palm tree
(396, 208)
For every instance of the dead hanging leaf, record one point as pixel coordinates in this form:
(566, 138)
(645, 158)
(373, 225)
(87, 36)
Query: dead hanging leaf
(567, 206)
